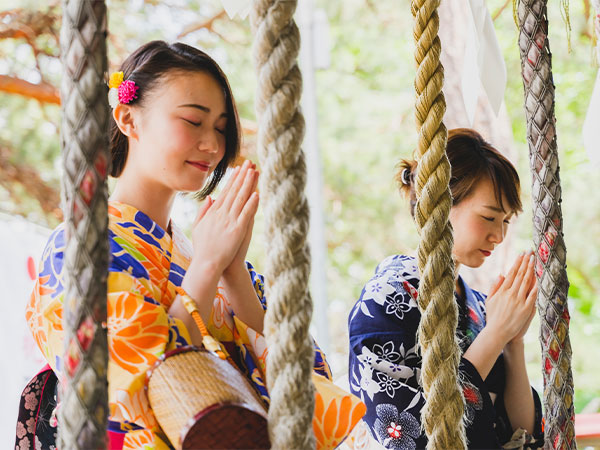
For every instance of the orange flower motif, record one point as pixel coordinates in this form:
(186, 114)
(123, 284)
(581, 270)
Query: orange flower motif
(334, 418)
(133, 407)
(137, 332)
(139, 440)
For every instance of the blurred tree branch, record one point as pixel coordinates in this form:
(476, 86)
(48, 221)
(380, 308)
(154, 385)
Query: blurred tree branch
(44, 91)
(205, 24)
(10, 173)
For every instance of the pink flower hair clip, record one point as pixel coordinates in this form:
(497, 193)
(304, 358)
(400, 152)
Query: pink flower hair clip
(121, 91)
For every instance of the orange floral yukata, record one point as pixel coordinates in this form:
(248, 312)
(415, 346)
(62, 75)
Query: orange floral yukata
(146, 266)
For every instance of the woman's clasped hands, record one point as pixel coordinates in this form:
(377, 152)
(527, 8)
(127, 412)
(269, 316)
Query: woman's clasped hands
(510, 305)
(220, 236)
(223, 228)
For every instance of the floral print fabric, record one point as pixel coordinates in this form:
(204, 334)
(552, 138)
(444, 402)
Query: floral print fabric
(385, 364)
(146, 265)
(34, 427)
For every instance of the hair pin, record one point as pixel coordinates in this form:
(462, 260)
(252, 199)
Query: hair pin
(120, 90)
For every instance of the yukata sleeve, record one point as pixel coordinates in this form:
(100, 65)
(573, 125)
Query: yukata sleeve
(336, 411)
(140, 330)
(385, 365)
(225, 326)
(44, 309)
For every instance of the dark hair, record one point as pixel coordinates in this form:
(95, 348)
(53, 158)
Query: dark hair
(155, 60)
(471, 159)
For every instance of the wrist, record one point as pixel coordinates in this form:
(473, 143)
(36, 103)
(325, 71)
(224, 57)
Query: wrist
(498, 334)
(514, 347)
(235, 270)
(198, 276)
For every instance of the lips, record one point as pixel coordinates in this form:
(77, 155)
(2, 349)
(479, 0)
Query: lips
(201, 165)
(485, 252)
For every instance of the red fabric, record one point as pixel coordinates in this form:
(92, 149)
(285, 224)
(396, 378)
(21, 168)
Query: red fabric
(115, 440)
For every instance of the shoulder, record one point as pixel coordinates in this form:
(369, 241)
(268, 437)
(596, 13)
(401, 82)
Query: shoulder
(388, 297)
(395, 274)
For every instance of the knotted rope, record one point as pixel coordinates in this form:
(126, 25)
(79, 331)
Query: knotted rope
(84, 399)
(536, 66)
(443, 413)
(281, 129)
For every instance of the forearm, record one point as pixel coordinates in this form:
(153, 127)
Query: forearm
(518, 398)
(200, 283)
(243, 298)
(484, 352)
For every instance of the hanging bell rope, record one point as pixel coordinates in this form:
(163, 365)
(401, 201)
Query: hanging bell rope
(443, 412)
(536, 65)
(287, 269)
(83, 400)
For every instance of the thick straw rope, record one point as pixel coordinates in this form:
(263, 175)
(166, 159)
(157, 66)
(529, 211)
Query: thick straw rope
(84, 399)
(443, 413)
(281, 129)
(536, 64)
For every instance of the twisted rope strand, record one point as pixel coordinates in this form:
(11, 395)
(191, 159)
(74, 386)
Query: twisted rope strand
(281, 129)
(84, 140)
(536, 66)
(443, 413)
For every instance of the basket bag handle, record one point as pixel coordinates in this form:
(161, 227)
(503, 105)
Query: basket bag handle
(209, 342)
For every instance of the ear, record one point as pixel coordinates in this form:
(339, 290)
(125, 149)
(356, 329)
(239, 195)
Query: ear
(125, 118)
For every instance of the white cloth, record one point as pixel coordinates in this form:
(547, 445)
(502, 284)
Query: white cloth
(483, 64)
(239, 7)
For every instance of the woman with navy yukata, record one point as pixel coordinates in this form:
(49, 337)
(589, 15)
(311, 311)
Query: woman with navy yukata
(385, 361)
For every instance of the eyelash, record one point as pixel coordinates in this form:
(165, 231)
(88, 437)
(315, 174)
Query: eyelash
(491, 219)
(197, 124)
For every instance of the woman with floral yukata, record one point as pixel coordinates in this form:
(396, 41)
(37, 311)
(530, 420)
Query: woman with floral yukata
(385, 362)
(175, 129)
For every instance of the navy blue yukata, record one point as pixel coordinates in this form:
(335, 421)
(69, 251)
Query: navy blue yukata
(385, 362)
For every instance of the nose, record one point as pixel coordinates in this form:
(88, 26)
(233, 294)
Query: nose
(497, 234)
(209, 142)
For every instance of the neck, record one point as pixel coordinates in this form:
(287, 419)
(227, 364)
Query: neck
(150, 197)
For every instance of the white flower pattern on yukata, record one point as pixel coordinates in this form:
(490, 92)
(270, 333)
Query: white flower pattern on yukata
(396, 431)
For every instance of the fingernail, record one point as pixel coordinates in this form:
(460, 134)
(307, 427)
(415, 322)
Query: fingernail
(531, 258)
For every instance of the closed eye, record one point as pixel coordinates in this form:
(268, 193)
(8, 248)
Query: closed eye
(220, 131)
(489, 219)
(196, 124)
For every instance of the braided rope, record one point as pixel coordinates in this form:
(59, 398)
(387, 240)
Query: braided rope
(536, 65)
(281, 129)
(443, 413)
(84, 396)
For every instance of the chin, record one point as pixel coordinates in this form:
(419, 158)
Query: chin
(473, 263)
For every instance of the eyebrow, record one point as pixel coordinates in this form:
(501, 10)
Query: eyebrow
(206, 109)
(495, 209)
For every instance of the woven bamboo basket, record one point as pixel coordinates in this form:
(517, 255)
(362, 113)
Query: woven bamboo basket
(203, 401)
